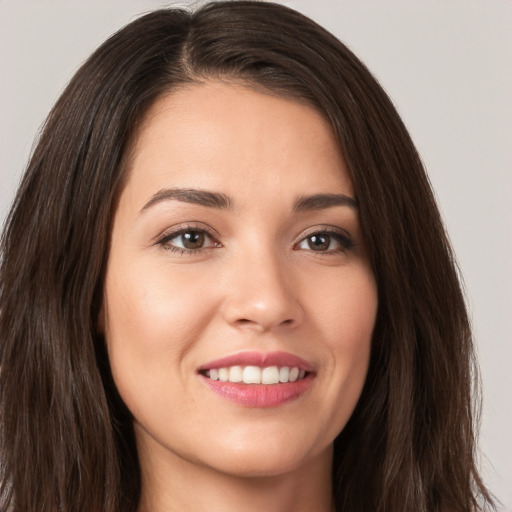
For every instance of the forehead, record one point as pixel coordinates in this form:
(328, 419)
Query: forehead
(223, 136)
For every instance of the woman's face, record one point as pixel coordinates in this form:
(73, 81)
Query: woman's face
(239, 302)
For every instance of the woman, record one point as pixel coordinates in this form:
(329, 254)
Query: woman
(225, 266)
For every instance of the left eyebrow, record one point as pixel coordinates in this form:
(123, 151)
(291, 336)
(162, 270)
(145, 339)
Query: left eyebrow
(323, 201)
(190, 195)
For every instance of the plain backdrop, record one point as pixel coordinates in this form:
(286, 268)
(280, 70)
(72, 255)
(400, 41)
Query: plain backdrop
(447, 66)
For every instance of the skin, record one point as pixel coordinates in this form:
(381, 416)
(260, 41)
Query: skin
(257, 284)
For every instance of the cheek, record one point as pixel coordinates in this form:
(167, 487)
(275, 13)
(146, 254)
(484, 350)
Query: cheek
(357, 314)
(150, 323)
(346, 316)
(346, 309)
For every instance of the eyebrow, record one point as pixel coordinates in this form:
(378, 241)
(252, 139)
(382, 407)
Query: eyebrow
(323, 201)
(223, 202)
(190, 195)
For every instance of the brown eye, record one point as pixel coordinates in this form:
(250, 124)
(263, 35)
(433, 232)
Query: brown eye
(330, 242)
(192, 239)
(188, 240)
(319, 242)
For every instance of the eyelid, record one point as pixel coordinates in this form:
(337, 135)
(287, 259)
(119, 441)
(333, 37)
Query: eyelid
(324, 228)
(191, 226)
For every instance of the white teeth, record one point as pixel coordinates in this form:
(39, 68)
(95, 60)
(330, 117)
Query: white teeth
(294, 375)
(270, 375)
(236, 374)
(256, 375)
(224, 374)
(252, 375)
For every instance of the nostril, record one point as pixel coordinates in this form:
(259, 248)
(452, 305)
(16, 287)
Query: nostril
(245, 322)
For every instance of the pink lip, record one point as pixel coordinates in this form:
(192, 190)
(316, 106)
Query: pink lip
(260, 359)
(260, 395)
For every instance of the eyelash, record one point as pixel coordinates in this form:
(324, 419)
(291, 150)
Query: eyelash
(344, 240)
(166, 238)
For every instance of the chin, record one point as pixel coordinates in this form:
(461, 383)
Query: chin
(274, 459)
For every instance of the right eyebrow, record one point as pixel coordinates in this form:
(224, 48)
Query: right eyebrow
(190, 195)
(324, 201)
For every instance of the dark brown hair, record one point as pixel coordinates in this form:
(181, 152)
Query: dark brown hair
(65, 436)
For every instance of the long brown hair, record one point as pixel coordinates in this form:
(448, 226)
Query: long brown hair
(66, 438)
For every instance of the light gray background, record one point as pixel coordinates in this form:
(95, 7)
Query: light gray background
(446, 65)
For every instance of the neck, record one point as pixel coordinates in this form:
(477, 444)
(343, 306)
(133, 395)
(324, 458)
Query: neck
(171, 484)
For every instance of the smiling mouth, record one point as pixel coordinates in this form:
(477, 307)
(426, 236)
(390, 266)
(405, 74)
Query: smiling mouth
(259, 380)
(269, 375)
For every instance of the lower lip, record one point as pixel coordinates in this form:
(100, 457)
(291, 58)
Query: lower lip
(260, 395)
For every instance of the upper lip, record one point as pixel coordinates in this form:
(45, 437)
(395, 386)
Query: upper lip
(261, 359)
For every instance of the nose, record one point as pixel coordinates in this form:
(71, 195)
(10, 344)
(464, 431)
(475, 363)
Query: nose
(262, 294)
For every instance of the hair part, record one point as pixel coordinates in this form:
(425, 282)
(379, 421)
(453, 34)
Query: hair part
(66, 438)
